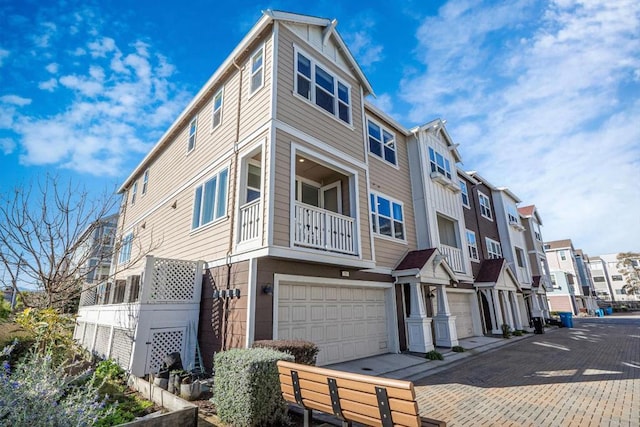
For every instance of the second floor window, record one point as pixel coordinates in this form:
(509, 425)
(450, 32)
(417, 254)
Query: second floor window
(494, 249)
(210, 200)
(439, 163)
(217, 110)
(381, 142)
(134, 191)
(125, 249)
(485, 206)
(253, 182)
(472, 245)
(257, 70)
(193, 127)
(322, 88)
(464, 193)
(512, 215)
(387, 217)
(145, 182)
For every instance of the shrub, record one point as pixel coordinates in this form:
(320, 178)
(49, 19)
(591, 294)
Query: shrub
(52, 331)
(304, 352)
(434, 355)
(247, 387)
(506, 331)
(517, 333)
(5, 309)
(457, 349)
(39, 393)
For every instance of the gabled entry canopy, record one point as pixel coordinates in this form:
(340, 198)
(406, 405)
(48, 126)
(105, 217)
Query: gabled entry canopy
(496, 273)
(427, 266)
(538, 285)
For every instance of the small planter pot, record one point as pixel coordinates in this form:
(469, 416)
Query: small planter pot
(190, 391)
(163, 383)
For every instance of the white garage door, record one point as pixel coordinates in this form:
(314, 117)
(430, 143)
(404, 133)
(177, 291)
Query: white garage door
(460, 306)
(345, 322)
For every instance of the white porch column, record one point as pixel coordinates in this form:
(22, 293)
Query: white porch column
(516, 308)
(418, 324)
(507, 307)
(536, 310)
(445, 323)
(496, 312)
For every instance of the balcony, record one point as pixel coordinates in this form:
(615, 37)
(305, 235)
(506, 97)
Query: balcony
(523, 275)
(454, 257)
(250, 221)
(323, 229)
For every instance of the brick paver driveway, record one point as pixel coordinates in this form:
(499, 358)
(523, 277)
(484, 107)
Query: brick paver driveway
(586, 376)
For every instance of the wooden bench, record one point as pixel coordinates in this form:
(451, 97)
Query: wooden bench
(364, 399)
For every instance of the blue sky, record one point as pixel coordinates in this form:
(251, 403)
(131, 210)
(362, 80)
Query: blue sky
(543, 97)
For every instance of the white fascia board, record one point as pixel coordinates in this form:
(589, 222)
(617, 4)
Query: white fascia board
(295, 17)
(477, 176)
(509, 193)
(228, 63)
(369, 106)
(467, 176)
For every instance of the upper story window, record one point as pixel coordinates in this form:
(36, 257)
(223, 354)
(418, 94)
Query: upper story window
(193, 127)
(145, 182)
(616, 277)
(485, 206)
(512, 215)
(598, 278)
(257, 70)
(439, 163)
(210, 200)
(253, 182)
(494, 249)
(520, 258)
(125, 249)
(323, 88)
(134, 191)
(472, 245)
(563, 255)
(217, 109)
(464, 193)
(387, 217)
(382, 143)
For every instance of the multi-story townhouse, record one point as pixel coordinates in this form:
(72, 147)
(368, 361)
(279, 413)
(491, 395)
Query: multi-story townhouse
(280, 204)
(605, 269)
(584, 277)
(600, 278)
(541, 279)
(498, 288)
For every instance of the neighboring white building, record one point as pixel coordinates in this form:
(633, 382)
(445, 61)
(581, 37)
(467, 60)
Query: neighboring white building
(608, 279)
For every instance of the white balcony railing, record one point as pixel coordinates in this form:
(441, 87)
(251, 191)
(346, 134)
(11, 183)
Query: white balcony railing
(454, 257)
(523, 275)
(250, 221)
(321, 229)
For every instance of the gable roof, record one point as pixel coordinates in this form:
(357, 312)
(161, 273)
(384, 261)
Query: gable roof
(529, 212)
(497, 273)
(415, 259)
(437, 126)
(268, 17)
(429, 265)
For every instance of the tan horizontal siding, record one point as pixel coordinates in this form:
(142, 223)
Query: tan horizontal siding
(256, 108)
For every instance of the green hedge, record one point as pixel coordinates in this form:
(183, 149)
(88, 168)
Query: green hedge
(247, 388)
(304, 352)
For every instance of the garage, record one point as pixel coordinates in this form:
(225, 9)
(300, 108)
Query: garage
(346, 322)
(460, 306)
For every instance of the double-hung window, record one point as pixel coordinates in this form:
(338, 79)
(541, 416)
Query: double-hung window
(193, 127)
(494, 249)
(253, 182)
(210, 200)
(145, 182)
(485, 206)
(439, 163)
(257, 70)
(134, 192)
(322, 88)
(382, 143)
(472, 245)
(464, 193)
(387, 216)
(125, 249)
(512, 215)
(217, 110)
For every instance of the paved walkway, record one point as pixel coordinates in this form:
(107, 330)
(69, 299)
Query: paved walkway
(585, 376)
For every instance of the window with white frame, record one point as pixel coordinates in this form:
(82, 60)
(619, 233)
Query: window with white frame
(616, 277)
(210, 200)
(217, 109)
(536, 232)
(125, 249)
(485, 206)
(322, 88)
(382, 142)
(134, 192)
(257, 70)
(145, 182)
(563, 255)
(193, 127)
(464, 193)
(512, 215)
(439, 163)
(253, 181)
(494, 249)
(387, 217)
(472, 245)
(520, 257)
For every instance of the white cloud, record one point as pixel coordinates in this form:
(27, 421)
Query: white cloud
(15, 100)
(101, 47)
(48, 85)
(383, 102)
(47, 31)
(7, 145)
(52, 68)
(543, 101)
(3, 55)
(360, 40)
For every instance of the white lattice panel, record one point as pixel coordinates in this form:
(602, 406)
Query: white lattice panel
(88, 297)
(121, 346)
(102, 341)
(172, 280)
(163, 343)
(78, 332)
(87, 340)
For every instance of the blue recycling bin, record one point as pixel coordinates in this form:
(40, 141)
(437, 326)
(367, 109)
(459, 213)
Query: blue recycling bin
(599, 312)
(567, 319)
(609, 310)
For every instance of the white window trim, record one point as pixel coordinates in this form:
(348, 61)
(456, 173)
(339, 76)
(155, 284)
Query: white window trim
(213, 109)
(435, 162)
(480, 196)
(475, 245)
(404, 222)
(382, 144)
(195, 134)
(201, 183)
(489, 251)
(261, 70)
(127, 242)
(134, 192)
(464, 191)
(145, 182)
(312, 97)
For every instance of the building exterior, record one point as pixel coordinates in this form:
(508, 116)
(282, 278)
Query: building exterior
(608, 278)
(286, 206)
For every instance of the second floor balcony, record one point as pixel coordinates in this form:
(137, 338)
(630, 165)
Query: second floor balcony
(454, 257)
(322, 229)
